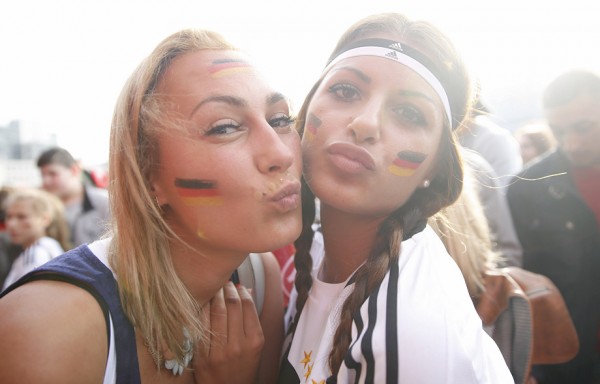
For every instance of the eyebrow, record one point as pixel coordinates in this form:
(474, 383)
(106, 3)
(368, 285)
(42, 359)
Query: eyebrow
(234, 101)
(416, 94)
(357, 72)
(367, 79)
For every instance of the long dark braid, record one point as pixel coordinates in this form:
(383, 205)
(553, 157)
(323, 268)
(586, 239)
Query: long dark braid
(302, 258)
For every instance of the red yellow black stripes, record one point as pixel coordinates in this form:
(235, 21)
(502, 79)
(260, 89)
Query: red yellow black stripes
(406, 163)
(198, 192)
(220, 68)
(312, 124)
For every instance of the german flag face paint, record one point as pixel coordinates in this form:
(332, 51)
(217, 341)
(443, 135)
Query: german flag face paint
(312, 124)
(198, 192)
(406, 163)
(226, 67)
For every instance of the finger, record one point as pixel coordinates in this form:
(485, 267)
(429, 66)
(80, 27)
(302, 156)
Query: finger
(235, 321)
(252, 327)
(218, 322)
(203, 347)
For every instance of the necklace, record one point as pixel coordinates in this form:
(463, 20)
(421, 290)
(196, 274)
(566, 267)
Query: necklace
(188, 353)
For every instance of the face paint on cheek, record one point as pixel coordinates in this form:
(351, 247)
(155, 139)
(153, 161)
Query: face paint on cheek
(225, 67)
(312, 124)
(198, 192)
(406, 163)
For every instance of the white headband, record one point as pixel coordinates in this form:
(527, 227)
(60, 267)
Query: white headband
(396, 55)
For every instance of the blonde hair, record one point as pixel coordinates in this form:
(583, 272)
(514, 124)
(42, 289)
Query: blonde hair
(45, 204)
(443, 190)
(153, 296)
(464, 231)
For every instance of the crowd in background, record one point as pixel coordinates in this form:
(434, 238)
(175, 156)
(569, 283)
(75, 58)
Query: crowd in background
(531, 200)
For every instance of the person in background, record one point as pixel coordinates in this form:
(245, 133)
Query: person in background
(86, 207)
(8, 250)
(535, 140)
(204, 169)
(35, 222)
(493, 142)
(490, 194)
(378, 299)
(555, 204)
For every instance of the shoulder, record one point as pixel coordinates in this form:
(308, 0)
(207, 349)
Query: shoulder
(49, 325)
(97, 196)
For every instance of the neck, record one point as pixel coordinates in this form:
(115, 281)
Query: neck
(75, 196)
(348, 241)
(204, 271)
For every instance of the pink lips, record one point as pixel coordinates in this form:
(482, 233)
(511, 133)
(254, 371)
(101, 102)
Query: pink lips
(350, 158)
(287, 198)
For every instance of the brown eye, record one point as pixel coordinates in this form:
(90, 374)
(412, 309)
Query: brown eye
(409, 114)
(345, 92)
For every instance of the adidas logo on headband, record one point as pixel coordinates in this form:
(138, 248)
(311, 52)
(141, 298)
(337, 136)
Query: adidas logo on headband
(396, 46)
(392, 55)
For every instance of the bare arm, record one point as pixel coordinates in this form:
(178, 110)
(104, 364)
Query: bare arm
(51, 332)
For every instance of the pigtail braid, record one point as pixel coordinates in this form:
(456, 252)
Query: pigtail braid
(302, 258)
(385, 252)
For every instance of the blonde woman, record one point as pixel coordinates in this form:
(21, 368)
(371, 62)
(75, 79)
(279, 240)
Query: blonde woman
(204, 169)
(34, 221)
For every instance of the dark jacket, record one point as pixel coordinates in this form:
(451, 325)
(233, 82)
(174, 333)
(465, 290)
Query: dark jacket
(560, 239)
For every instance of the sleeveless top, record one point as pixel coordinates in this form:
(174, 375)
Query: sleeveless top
(81, 267)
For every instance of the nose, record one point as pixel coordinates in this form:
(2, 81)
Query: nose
(365, 127)
(276, 151)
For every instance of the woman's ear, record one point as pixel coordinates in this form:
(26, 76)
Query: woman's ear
(156, 190)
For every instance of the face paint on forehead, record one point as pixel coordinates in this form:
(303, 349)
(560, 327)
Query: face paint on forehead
(225, 67)
(406, 163)
(198, 192)
(312, 124)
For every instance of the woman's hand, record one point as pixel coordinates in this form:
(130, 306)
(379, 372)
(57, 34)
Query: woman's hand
(236, 339)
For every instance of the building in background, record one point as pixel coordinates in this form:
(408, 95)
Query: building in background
(20, 145)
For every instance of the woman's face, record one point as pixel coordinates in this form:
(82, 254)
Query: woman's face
(23, 224)
(372, 132)
(228, 178)
(528, 150)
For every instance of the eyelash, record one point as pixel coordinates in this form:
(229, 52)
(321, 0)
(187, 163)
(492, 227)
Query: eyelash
(279, 123)
(221, 129)
(416, 117)
(282, 122)
(338, 91)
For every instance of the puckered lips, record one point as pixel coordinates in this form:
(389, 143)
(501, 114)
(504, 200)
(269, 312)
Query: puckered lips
(350, 158)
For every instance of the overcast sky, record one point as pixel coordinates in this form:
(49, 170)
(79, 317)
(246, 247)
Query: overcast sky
(63, 62)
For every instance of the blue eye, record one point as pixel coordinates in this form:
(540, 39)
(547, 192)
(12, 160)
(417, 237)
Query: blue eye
(345, 92)
(226, 128)
(282, 122)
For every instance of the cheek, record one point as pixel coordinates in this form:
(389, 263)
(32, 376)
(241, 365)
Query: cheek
(312, 126)
(198, 192)
(406, 163)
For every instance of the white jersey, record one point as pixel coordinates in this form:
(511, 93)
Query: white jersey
(418, 326)
(40, 252)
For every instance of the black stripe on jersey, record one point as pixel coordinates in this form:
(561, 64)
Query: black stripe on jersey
(391, 326)
(367, 341)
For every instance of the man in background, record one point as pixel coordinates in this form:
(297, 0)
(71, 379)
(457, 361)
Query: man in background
(555, 204)
(86, 207)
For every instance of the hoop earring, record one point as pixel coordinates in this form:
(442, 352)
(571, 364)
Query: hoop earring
(425, 183)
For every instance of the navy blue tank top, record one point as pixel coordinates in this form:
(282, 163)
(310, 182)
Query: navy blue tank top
(82, 268)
